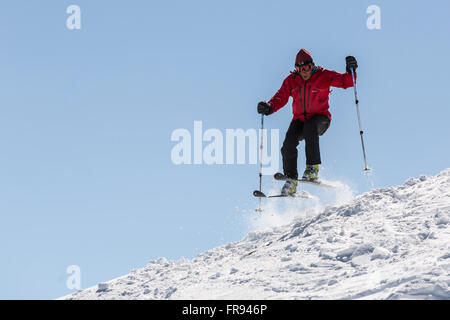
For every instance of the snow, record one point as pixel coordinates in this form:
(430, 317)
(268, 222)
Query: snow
(391, 243)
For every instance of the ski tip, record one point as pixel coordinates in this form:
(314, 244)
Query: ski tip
(259, 194)
(279, 176)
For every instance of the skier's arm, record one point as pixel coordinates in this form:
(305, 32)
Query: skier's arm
(344, 80)
(340, 80)
(280, 98)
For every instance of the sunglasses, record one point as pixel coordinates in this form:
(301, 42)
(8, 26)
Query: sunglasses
(304, 66)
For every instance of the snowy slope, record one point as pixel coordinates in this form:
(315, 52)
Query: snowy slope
(389, 243)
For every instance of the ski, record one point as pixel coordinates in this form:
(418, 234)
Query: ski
(281, 177)
(303, 195)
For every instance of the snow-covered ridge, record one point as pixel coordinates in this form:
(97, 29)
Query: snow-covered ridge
(391, 243)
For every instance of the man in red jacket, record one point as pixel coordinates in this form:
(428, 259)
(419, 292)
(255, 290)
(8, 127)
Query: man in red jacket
(309, 86)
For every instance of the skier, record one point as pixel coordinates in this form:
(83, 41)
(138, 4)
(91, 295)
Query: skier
(309, 85)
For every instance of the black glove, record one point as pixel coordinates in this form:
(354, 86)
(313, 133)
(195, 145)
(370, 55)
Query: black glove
(264, 108)
(351, 64)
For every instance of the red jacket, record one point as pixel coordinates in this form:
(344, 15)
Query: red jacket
(310, 97)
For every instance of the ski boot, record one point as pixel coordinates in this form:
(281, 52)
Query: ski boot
(289, 188)
(311, 172)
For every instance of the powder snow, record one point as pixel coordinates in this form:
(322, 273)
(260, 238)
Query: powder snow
(391, 243)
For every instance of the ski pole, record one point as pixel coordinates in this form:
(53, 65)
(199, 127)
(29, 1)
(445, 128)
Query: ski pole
(359, 119)
(260, 159)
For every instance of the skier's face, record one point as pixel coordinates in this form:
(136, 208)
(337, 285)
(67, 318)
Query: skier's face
(305, 71)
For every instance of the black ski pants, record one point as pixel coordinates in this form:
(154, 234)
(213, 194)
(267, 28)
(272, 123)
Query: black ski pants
(308, 131)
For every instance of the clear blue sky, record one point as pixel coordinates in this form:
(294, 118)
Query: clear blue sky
(86, 119)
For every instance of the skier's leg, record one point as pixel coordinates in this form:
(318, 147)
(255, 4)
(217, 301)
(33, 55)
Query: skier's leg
(289, 149)
(323, 123)
(314, 127)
